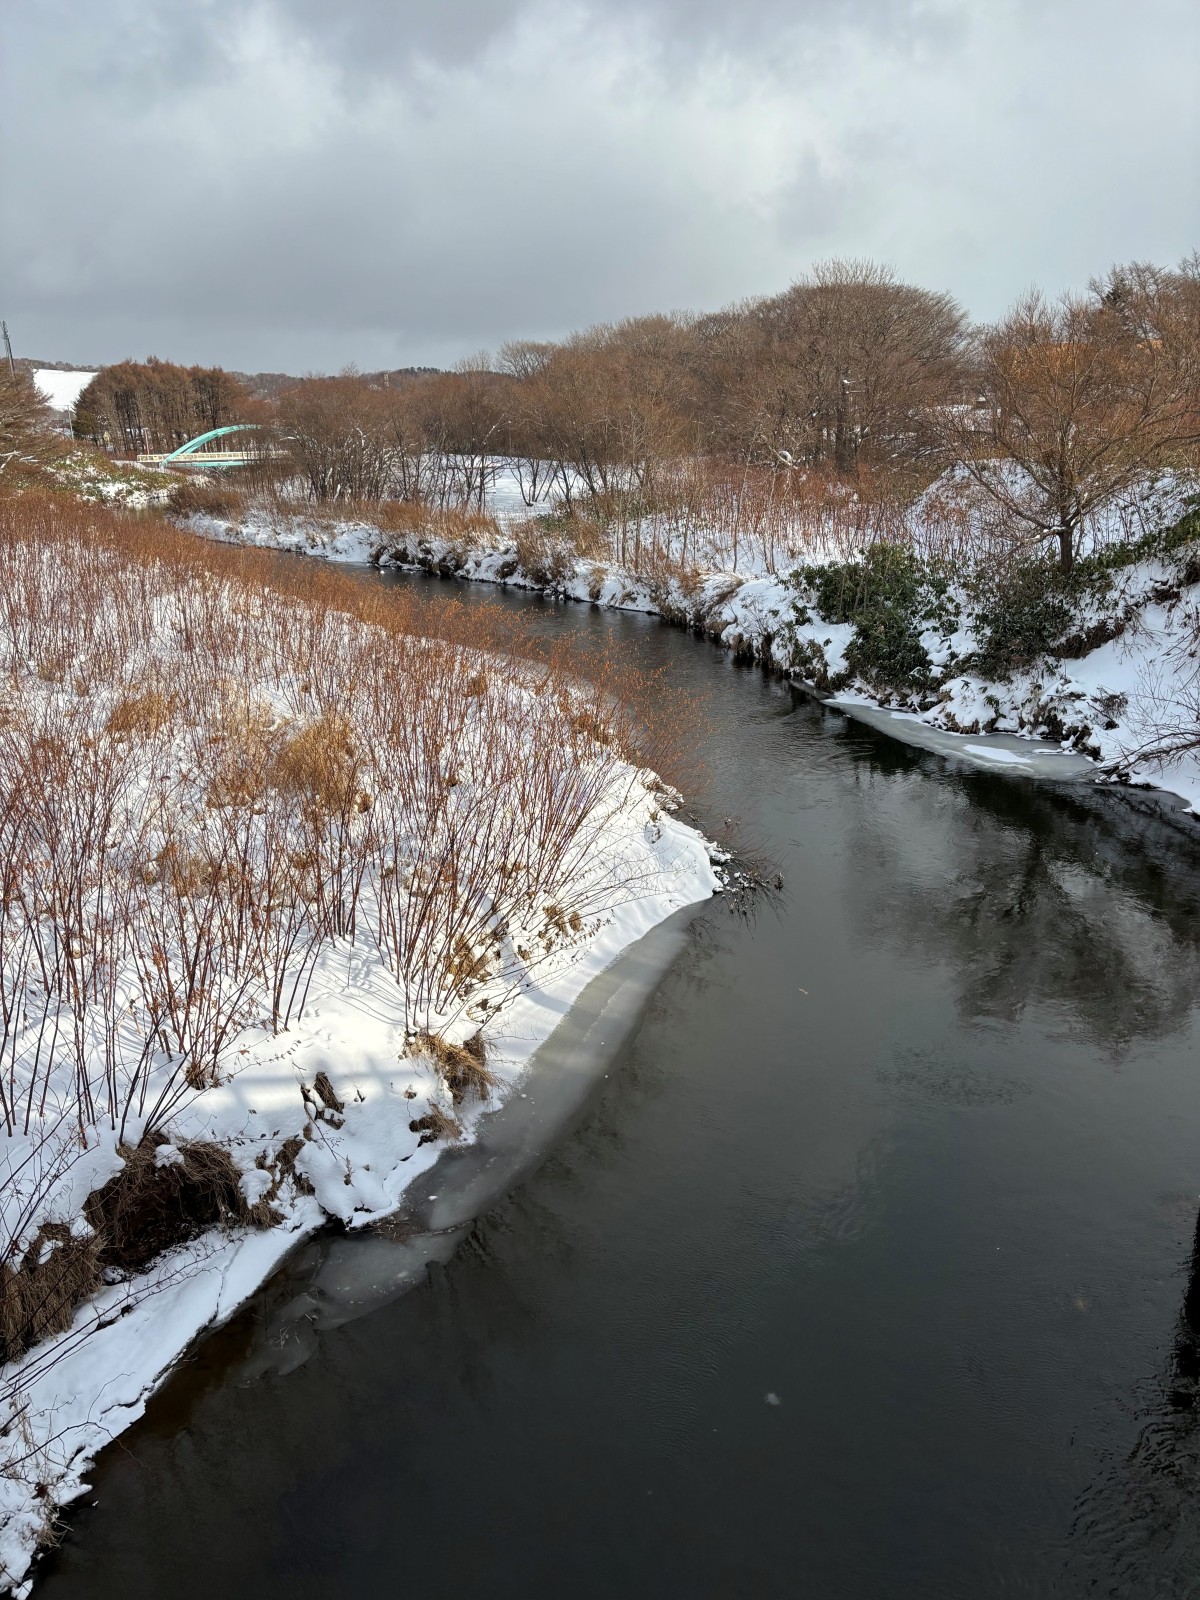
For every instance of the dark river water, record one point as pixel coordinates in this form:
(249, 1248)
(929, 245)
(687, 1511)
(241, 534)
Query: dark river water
(867, 1271)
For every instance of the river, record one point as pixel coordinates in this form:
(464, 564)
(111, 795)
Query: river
(867, 1270)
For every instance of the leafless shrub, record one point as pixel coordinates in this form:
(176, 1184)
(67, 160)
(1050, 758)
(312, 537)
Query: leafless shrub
(548, 556)
(142, 714)
(464, 525)
(195, 497)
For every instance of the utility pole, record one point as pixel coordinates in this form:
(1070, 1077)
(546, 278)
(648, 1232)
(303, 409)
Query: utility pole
(8, 346)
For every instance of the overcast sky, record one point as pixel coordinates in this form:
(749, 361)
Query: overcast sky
(300, 184)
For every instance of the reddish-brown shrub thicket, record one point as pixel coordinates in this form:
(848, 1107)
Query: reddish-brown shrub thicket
(315, 745)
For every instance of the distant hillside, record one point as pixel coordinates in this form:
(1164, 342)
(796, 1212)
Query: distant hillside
(62, 386)
(269, 385)
(27, 364)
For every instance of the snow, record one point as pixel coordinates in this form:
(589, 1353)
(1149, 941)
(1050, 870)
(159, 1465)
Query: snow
(958, 505)
(987, 753)
(1033, 757)
(62, 389)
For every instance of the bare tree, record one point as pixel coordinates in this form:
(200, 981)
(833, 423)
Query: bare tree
(1083, 401)
(341, 433)
(524, 361)
(28, 443)
(469, 409)
(853, 366)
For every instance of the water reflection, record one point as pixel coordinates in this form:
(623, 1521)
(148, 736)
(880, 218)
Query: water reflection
(1029, 896)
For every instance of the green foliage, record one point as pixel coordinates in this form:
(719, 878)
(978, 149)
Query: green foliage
(891, 596)
(808, 661)
(1025, 610)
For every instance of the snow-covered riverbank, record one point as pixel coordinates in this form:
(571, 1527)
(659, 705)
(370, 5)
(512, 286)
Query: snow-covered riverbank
(71, 1395)
(284, 909)
(1123, 706)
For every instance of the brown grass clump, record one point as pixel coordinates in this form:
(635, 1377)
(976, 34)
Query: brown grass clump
(434, 1125)
(144, 1209)
(244, 737)
(548, 554)
(39, 1296)
(459, 524)
(463, 1067)
(149, 1207)
(190, 497)
(184, 871)
(140, 715)
(319, 764)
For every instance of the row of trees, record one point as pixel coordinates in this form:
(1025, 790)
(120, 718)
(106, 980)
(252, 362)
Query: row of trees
(154, 405)
(428, 439)
(849, 372)
(846, 366)
(843, 366)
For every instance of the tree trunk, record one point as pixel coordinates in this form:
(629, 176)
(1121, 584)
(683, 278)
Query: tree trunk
(1066, 550)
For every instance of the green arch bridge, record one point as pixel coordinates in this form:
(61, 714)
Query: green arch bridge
(196, 454)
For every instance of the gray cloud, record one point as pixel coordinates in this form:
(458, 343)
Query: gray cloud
(296, 184)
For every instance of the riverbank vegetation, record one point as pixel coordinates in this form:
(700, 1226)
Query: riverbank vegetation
(213, 767)
(851, 409)
(845, 479)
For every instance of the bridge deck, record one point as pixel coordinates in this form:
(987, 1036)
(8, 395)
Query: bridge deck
(207, 458)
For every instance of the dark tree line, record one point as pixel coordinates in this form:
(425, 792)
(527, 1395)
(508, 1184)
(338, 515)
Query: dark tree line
(137, 406)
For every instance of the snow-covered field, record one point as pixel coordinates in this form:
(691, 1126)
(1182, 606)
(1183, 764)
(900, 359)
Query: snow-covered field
(61, 389)
(266, 863)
